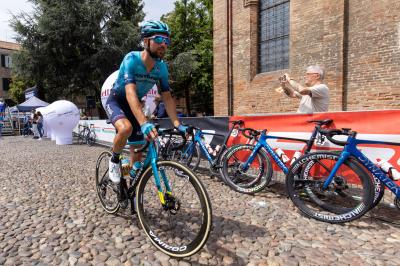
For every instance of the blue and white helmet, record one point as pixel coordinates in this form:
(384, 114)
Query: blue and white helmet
(151, 27)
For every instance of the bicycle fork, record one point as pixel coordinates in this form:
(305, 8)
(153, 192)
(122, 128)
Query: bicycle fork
(157, 180)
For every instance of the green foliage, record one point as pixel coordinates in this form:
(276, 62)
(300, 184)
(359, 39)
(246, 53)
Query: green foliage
(17, 88)
(70, 47)
(191, 53)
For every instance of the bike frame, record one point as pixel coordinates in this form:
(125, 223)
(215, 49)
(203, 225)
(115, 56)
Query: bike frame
(262, 143)
(198, 138)
(151, 161)
(350, 149)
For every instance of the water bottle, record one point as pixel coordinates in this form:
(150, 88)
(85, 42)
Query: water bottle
(125, 167)
(135, 168)
(296, 156)
(216, 150)
(388, 168)
(210, 150)
(282, 155)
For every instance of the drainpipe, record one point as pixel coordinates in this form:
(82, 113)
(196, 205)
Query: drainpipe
(229, 56)
(345, 54)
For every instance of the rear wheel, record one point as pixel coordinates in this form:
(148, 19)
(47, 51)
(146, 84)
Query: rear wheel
(181, 226)
(107, 191)
(347, 197)
(91, 138)
(82, 135)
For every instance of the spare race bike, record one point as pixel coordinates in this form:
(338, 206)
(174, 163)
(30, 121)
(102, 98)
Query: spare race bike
(336, 187)
(86, 134)
(190, 154)
(248, 169)
(172, 204)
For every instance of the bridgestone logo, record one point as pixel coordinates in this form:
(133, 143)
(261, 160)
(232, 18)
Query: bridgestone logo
(165, 245)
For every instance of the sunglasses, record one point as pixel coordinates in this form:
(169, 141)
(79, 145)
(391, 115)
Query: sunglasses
(161, 39)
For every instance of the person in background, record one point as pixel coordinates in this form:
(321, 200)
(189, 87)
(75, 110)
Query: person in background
(40, 124)
(160, 111)
(145, 108)
(34, 126)
(314, 96)
(2, 115)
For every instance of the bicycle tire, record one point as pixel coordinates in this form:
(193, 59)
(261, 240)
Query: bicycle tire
(82, 136)
(165, 239)
(104, 184)
(333, 205)
(379, 188)
(236, 178)
(91, 138)
(191, 160)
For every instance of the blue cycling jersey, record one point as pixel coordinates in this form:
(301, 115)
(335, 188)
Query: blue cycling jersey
(133, 70)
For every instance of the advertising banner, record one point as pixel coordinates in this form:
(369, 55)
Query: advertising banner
(371, 125)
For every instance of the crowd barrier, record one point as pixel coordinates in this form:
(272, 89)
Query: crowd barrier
(373, 125)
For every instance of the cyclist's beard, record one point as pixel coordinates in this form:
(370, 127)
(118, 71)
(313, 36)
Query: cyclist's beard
(153, 55)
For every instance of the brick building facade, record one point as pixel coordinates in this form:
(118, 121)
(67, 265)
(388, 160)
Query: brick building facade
(6, 49)
(357, 42)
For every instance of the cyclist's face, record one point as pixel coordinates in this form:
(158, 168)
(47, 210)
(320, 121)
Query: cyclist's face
(158, 48)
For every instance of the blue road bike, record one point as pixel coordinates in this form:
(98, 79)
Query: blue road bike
(190, 154)
(171, 203)
(337, 187)
(247, 168)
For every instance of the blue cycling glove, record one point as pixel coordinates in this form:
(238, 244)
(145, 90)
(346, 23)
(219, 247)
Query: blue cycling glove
(182, 128)
(146, 128)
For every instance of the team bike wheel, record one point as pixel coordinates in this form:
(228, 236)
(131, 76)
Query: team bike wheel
(91, 138)
(107, 191)
(82, 136)
(181, 226)
(379, 188)
(348, 196)
(255, 178)
(188, 156)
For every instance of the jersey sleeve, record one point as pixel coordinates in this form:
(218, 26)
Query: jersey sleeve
(320, 91)
(164, 84)
(128, 67)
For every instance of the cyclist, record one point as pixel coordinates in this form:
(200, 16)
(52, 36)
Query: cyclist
(138, 72)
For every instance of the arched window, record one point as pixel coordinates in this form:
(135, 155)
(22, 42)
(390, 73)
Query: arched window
(274, 35)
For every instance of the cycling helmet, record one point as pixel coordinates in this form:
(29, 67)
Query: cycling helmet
(151, 27)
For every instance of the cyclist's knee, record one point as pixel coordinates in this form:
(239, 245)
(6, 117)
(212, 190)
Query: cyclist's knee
(125, 129)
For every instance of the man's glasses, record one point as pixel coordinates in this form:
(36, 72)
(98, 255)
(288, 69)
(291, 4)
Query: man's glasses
(161, 39)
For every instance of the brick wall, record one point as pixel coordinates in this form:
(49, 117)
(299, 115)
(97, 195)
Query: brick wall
(374, 55)
(317, 36)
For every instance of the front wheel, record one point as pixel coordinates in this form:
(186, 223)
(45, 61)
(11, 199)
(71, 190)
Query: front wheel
(347, 197)
(189, 155)
(257, 175)
(181, 225)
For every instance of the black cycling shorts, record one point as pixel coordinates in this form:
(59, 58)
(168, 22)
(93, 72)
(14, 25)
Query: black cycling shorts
(117, 108)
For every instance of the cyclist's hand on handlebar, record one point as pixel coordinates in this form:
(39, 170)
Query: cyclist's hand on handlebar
(149, 131)
(183, 128)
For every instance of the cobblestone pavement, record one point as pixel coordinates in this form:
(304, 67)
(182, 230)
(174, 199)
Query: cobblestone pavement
(50, 215)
